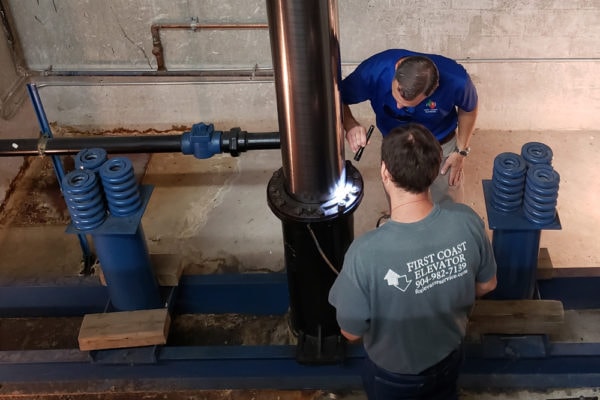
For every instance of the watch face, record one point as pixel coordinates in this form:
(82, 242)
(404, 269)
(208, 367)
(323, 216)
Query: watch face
(464, 152)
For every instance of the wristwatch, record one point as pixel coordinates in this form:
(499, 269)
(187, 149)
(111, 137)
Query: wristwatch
(465, 152)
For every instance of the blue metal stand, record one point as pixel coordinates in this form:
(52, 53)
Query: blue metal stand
(516, 247)
(123, 254)
(118, 234)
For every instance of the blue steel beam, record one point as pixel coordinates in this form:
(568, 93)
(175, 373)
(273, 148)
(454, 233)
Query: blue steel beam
(265, 367)
(520, 362)
(257, 293)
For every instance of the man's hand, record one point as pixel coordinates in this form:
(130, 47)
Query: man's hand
(356, 137)
(349, 336)
(454, 164)
(482, 288)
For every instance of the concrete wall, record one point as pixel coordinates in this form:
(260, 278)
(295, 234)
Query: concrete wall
(11, 81)
(536, 63)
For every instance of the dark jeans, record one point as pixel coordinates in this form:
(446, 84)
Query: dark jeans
(435, 383)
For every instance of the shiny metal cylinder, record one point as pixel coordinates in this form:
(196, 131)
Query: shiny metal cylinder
(305, 50)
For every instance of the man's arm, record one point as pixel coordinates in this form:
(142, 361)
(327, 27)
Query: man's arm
(356, 135)
(466, 126)
(454, 163)
(481, 288)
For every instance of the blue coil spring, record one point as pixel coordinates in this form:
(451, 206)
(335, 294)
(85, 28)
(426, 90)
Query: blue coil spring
(536, 153)
(120, 187)
(91, 159)
(541, 194)
(84, 199)
(508, 182)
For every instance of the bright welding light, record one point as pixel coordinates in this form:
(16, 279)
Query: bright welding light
(342, 192)
(341, 189)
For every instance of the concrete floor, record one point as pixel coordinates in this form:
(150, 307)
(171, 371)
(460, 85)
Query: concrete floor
(213, 215)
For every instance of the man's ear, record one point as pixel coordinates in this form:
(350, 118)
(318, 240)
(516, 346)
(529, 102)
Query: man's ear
(385, 174)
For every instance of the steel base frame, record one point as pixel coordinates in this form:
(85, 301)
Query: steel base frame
(498, 362)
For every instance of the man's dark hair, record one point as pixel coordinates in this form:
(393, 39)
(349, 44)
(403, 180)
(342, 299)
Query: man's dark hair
(417, 75)
(413, 156)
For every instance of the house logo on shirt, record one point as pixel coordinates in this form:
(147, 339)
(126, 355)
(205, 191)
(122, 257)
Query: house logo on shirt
(431, 107)
(400, 282)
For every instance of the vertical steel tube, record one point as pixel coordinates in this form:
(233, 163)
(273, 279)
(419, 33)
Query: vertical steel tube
(316, 191)
(305, 48)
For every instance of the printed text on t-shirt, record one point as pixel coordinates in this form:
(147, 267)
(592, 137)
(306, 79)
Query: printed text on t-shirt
(439, 267)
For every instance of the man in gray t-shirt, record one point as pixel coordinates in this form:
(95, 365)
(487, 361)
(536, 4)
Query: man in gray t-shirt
(407, 287)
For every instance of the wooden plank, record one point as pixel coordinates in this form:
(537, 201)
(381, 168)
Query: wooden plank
(515, 317)
(124, 329)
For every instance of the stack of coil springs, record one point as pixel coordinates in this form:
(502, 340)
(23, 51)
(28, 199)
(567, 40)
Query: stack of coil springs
(541, 185)
(120, 187)
(528, 182)
(84, 199)
(98, 186)
(508, 180)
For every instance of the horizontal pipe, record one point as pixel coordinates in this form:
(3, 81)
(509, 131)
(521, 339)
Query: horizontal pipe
(252, 141)
(216, 76)
(197, 26)
(256, 71)
(135, 78)
(128, 144)
(72, 145)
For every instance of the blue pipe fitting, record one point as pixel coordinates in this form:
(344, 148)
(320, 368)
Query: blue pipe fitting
(202, 141)
(91, 159)
(84, 199)
(536, 153)
(120, 187)
(508, 181)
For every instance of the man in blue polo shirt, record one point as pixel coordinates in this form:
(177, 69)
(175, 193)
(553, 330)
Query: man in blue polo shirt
(404, 86)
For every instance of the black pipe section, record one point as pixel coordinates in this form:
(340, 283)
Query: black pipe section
(306, 63)
(234, 142)
(315, 192)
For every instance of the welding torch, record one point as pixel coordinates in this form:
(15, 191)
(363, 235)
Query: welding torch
(359, 153)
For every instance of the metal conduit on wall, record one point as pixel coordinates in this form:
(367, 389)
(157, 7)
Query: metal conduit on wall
(194, 26)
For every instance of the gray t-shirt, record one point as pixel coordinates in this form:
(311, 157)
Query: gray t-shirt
(407, 289)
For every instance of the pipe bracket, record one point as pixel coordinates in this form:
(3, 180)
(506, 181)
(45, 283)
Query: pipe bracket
(41, 145)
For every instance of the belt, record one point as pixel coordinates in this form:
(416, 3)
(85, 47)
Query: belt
(448, 137)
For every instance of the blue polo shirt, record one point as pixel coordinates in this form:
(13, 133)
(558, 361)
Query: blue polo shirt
(372, 80)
